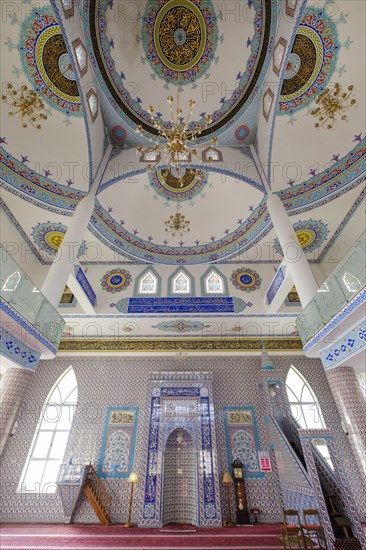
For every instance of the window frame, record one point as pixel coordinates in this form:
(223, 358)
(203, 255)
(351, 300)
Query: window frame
(64, 407)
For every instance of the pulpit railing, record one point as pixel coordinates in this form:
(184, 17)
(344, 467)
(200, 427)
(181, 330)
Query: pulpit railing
(98, 496)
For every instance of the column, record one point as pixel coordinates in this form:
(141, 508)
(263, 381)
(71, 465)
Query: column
(294, 256)
(345, 493)
(63, 264)
(351, 405)
(14, 386)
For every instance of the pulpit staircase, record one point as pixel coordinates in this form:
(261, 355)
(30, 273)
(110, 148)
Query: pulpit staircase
(98, 497)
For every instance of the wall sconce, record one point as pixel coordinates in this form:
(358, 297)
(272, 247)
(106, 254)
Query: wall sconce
(133, 478)
(227, 480)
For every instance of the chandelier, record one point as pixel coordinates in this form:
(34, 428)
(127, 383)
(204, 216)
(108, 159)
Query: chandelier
(332, 103)
(175, 144)
(177, 224)
(27, 105)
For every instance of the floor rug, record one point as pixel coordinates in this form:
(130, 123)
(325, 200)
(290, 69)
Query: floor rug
(178, 528)
(115, 537)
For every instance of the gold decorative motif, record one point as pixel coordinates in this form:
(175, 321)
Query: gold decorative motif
(27, 105)
(177, 224)
(214, 345)
(58, 67)
(67, 296)
(122, 418)
(175, 145)
(178, 183)
(180, 35)
(332, 103)
(305, 237)
(235, 418)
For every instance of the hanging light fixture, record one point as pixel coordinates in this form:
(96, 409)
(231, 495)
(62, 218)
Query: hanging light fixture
(177, 224)
(175, 146)
(26, 104)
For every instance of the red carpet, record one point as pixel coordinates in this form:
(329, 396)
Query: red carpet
(96, 537)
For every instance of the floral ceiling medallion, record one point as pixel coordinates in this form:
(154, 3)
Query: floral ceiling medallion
(310, 233)
(179, 42)
(180, 38)
(246, 279)
(311, 62)
(47, 63)
(116, 280)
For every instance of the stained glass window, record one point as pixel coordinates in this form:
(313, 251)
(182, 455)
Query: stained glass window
(181, 284)
(148, 284)
(214, 283)
(50, 440)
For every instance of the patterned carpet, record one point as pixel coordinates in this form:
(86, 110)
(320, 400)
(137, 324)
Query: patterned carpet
(115, 537)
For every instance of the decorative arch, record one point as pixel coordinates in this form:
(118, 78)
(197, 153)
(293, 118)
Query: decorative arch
(207, 289)
(142, 289)
(176, 283)
(51, 437)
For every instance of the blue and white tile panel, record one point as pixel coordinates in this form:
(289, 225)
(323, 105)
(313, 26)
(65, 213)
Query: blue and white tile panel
(17, 351)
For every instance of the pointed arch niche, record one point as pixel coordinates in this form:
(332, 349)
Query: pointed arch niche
(48, 447)
(181, 283)
(148, 283)
(181, 413)
(214, 283)
(180, 478)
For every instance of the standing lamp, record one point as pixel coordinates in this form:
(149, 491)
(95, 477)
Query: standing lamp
(133, 478)
(227, 480)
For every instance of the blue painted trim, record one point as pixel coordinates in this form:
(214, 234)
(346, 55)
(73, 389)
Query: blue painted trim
(203, 282)
(290, 44)
(171, 293)
(71, 53)
(104, 440)
(8, 309)
(139, 294)
(209, 168)
(86, 286)
(256, 436)
(347, 310)
(342, 225)
(22, 233)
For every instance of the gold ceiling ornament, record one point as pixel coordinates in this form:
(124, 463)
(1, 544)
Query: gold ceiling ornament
(175, 144)
(177, 224)
(27, 105)
(332, 103)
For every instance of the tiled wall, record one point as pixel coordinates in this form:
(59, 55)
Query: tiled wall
(121, 381)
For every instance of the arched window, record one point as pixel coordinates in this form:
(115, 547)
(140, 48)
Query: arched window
(148, 284)
(305, 408)
(50, 440)
(304, 405)
(181, 284)
(214, 283)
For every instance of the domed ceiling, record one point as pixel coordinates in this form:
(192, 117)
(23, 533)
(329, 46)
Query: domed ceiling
(216, 54)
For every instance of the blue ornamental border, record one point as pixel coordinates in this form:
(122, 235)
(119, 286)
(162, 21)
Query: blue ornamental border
(104, 440)
(256, 437)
